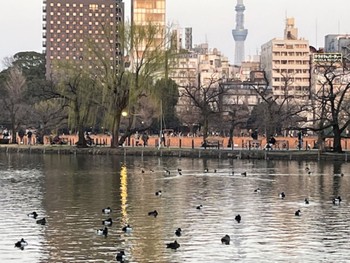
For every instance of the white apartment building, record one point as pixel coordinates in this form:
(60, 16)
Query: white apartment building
(287, 64)
(199, 66)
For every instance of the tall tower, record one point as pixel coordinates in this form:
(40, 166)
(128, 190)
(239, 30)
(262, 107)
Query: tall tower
(239, 34)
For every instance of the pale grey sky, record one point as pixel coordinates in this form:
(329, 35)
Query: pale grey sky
(211, 20)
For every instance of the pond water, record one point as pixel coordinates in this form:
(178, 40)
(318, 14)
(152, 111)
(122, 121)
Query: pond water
(71, 191)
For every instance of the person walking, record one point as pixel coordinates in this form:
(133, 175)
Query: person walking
(144, 138)
(162, 141)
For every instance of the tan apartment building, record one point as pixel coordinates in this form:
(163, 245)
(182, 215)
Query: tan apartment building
(287, 64)
(69, 26)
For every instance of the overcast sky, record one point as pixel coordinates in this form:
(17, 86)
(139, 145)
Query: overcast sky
(211, 20)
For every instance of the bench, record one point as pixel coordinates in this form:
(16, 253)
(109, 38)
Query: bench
(213, 143)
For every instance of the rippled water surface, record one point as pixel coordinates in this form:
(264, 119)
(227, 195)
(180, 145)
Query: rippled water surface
(70, 192)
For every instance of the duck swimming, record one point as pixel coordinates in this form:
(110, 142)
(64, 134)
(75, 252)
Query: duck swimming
(106, 210)
(298, 213)
(21, 244)
(127, 228)
(337, 200)
(238, 218)
(41, 221)
(226, 240)
(107, 222)
(178, 232)
(33, 215)
(102, 232)
(153, 213)
(257, 190)
(173, 245)
(120, 256)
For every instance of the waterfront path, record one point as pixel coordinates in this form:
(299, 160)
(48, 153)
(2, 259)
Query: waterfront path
(236, 153)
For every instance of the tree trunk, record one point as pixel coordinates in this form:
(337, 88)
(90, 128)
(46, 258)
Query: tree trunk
(115, 131)
(14, 131)
(230, 140)
(337, 139)
(205, 129)
(81, 137)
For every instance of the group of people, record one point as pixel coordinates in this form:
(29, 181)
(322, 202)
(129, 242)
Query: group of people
(144, 137)
(270, 143)
(22, 133)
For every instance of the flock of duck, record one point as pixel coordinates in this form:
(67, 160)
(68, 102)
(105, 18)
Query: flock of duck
(22, 243)
(120, 257)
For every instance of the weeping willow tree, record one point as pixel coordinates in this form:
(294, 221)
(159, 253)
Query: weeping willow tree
(79, 92)
(140, 57)
(166, 94)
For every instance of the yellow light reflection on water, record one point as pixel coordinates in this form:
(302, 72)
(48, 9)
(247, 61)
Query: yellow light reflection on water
(124, 193)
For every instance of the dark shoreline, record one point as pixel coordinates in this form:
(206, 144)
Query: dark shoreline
(311, 155)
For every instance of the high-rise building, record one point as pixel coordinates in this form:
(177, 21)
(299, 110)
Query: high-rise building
(70, 25)
(176, 39)
(287, 64)
(145, 12)
(188, 38)
(239, 33)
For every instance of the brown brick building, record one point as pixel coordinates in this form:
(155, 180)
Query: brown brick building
(70, 26)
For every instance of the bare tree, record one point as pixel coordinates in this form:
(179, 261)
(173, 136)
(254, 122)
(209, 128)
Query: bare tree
(331, 105)
(13, 99)
(49, 114)
(205, 97)
(235, 115)
(278, 112)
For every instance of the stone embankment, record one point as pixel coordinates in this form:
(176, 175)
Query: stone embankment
(223, 153)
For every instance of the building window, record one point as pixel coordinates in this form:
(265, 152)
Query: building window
(93, 7)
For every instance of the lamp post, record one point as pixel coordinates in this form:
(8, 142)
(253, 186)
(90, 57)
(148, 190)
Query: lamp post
(130, 129)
